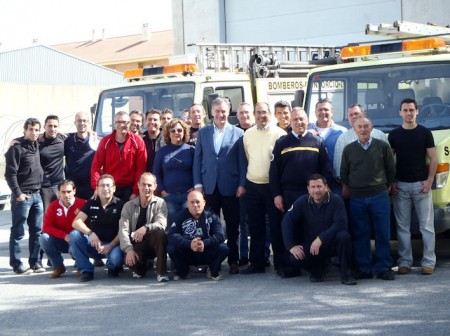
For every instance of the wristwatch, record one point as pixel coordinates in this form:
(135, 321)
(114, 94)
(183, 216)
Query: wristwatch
(148, 226)
(89, 233)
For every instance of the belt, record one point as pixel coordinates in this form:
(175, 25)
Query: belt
(30, 192)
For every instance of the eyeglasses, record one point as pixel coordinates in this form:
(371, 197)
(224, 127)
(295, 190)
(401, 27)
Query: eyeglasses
(176, 130)
(121, 122)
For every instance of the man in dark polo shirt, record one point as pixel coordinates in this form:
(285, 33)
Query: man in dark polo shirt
(96, 231)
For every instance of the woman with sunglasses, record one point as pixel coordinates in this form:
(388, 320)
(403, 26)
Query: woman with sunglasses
(173, 167)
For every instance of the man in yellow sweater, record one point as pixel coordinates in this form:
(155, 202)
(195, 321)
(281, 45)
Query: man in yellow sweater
(258, 145)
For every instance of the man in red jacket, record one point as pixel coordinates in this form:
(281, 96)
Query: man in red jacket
(121, 154)
(58, 224)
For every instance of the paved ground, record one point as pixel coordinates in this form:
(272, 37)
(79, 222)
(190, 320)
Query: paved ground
(239, 305)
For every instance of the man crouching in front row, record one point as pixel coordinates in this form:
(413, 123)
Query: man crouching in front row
(315, 229)
(142, 230)
(196, 238)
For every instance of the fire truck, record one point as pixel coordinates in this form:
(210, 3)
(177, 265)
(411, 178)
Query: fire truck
(243, 73)
(413, 63)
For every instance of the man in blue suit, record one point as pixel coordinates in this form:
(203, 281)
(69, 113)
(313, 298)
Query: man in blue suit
(219, 171)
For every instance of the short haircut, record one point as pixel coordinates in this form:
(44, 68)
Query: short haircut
(268, 107)
(171, 124)
(51, 117)
(220, 100)
(105, 176)
(324, 100)
(32, 122)
(357, 105)
(64, 182)
(146, 174)
(153, 111)
(167, 111)
(315, 177)
(282, 104)
(139, 113)
(121, 113)
(408, 101)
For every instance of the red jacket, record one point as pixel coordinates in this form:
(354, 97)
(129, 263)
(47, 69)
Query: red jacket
(126, 167)
(56, 222)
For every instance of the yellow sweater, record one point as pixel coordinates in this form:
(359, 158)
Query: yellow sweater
(258, 146)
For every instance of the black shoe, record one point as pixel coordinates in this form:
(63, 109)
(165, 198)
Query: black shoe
(288, 273)
(267, 262)
(99, 263)
(316, 278)
(252, 270)
(363, 275)
(386, 275)
(86, 276)
(243, 261)
(21, 269)
(37, 267)
(113, 273)
(349, 280)
(234, 269)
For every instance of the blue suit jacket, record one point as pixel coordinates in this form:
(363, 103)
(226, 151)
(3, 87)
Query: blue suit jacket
(226, 170)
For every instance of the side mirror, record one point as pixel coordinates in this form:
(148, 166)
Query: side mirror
(299, 95)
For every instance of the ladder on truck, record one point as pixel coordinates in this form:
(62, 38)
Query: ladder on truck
(278, 59)
(404, 30)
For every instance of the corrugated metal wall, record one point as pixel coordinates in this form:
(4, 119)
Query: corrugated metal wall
(43, 65)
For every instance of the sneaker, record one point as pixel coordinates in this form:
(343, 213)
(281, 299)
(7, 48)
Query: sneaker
(427, 270)
(386, 275)
(38, 268)
(86, 276)
(218, 277)
(99, 263)
(162, 278)
(21, 269)
(61, 269)
(137, 275)
(403, 270)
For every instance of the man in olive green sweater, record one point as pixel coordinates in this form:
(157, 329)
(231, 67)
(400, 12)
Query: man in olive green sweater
(367, 171)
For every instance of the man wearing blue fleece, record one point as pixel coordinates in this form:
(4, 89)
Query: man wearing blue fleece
(315, 228)
(196, 238)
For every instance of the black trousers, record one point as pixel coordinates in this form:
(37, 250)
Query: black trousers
(231, 213)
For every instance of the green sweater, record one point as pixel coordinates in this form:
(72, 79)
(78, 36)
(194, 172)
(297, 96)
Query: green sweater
(367, 172)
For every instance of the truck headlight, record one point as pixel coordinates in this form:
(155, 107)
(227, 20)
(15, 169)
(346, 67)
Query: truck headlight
(441, 179)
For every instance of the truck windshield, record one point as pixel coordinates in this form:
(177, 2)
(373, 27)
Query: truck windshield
(380, 89)
(174, 96)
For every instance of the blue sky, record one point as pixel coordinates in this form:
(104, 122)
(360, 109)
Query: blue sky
(56, 21)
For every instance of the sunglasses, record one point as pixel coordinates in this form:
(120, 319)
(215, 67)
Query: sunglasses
(176, 130)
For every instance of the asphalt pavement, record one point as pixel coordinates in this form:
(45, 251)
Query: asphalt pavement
(260, 304)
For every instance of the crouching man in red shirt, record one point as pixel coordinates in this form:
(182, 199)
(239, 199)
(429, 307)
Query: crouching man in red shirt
(58, 224)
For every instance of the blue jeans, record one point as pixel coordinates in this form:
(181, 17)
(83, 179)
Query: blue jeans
(410, 194)
(368, 212)
(31, 212)
(82, 251)
(175, 203)
(53, 247)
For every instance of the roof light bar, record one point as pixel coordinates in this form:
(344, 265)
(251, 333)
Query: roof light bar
(160, 70)
(396, 47)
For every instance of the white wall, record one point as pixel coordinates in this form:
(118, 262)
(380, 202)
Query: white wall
(324, 22)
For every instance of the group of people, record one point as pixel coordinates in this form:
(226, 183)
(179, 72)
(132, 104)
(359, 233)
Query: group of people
(314, 191)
